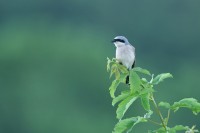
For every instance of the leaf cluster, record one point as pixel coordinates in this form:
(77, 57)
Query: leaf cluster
(143, 90)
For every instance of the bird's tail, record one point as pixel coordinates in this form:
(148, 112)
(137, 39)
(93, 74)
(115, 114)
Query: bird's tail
(127, 80)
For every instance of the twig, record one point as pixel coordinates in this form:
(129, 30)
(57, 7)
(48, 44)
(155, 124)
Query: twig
(158, 112)
(168, 114)
(154, 122)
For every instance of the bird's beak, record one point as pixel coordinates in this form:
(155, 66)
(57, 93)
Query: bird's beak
(113, 41)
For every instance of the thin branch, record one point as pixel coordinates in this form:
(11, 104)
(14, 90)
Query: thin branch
(168, 114)
(154, 122)
(158, 112)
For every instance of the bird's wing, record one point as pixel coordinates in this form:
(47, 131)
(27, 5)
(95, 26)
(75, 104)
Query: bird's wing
(133, 49)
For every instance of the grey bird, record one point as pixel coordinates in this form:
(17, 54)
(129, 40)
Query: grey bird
(125, 53)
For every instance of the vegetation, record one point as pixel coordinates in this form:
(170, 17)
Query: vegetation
(143, 90)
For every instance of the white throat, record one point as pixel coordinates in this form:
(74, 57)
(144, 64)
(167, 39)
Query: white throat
(119, 44)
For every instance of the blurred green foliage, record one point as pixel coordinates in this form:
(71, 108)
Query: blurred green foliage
(53, 59)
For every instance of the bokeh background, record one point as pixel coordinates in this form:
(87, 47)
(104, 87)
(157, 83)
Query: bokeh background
(53, 54)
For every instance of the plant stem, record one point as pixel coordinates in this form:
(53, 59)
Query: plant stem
(154, 122)
(158, 112)
(168, 114)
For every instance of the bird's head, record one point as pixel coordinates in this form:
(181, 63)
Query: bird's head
(120, 41)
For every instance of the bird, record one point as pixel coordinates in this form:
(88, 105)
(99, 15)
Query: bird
(125, 53)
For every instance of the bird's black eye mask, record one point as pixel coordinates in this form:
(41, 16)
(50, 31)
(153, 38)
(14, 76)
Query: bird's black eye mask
(118, 40)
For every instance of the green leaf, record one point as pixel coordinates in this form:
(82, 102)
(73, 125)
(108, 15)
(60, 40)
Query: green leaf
(124, 105)
(117, 74)
(113, 87)
(178, 128)
(146, 90)
(189, 103)
(120, 97)
(144, 71)
(126, 125)
(113, 70)
(164, 104)
(116, 69)
(171, 130)
(145, 101)
(135, 81)
(123, 77)
(123, 69)
(161, 130)
(145, 83)
(159, 78)
(116, 83)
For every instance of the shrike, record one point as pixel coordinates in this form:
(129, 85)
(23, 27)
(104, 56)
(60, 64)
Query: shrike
(125, 52)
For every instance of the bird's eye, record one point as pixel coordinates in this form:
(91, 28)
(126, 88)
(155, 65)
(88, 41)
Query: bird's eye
(120, 40)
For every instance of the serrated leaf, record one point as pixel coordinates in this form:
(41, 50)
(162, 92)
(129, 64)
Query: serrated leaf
(159, 78)
(116, 69)
(113, 69)
(189, 103)
(171, 130)
(178, 128)
(145, 101)
(113, 87)
(145, 83)
(122, 96)
(114, 60)
(124, 105)
(123, 77)
(126, 125)
(135, 81)
(141, 70)
(123, 69)
(146, 90)
(117, 74)
(116, 83)
(164, 104)
(160, 130)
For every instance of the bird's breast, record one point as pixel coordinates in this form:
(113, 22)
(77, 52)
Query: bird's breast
(126, 56)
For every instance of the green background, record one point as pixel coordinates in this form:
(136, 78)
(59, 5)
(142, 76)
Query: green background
(53, 54)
